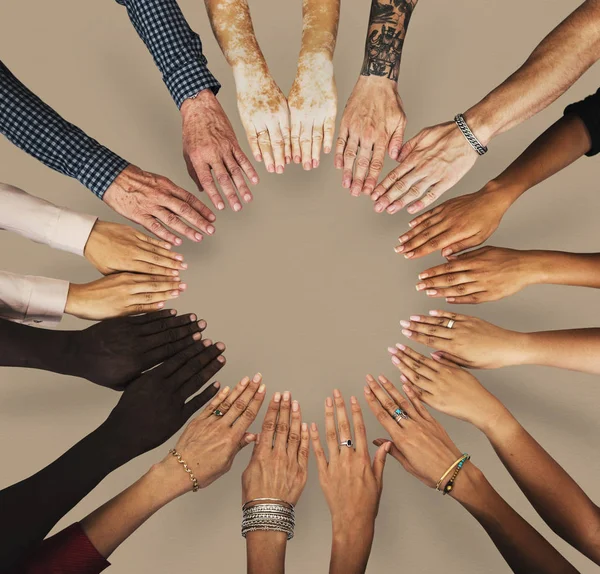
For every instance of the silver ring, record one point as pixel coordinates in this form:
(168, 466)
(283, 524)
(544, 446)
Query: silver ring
(258, 134)
(399, 415)
(450, 324)
(347, 443)
(218, 413)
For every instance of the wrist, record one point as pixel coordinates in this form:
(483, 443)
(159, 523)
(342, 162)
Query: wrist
(72, 306)
(168, 480)
(481, 122)
(376, 83)
(251, 74)
(496, 417)
(470, 486)
(203, 99)
(502, 194)
(346, 530)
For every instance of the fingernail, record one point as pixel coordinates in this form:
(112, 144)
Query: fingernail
(367, 390)
(450, 299)
(394, 153)
(225, 390)
(407, 389)
(313, 426)
(279, 169)
(403, 378)
(184, 265)
(370, 378)
(271, 168)
(403, 238)
(244, 381)
(182, 286)
(401, 346)
(255, 180)
(353, 400)
(336, 393)
(378, 208)
(409, 255)
(174, 293)
(160, 305)
(175, 272)
(258, 157)
(197, 336)
(247, 198)
(420, 286)
(220, 346)
(392, 209)
(286, 396)
(306, 165)
(261, 389)
(387, 446)
(178, 241)
(404, 323)
(395, 360)
(392, 350)
(216, 384)
(202, 324)
(295, 406)
(210, 230)
(446, 252)
(329, 402)
(197, 236)
(179, 257)
(431, 292)
(257, 378)
(220, 205)
(304, 427)
(221, 359)
(211, 217)
(406, 333)
(277, 397)
(207, 342)
(315, 163)
(415, 317)
(288, 159)
(237, 206)
(327, 149)
(399, 249)
(297, 159)
(423, 275)
(434, 313)
(411, 209)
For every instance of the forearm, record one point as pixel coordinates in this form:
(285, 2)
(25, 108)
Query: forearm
(557, 62)
(265, 552)
(319, 28)
(388, 24)
(111, 524)
(574, 349)
(232, 26)
(49, 494)
(350, 548)
(559, 146)
(523, 548)
(557, 498)
(37, 129)
(561, 268)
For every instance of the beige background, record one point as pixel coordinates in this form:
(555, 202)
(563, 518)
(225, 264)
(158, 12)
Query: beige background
(303, 284)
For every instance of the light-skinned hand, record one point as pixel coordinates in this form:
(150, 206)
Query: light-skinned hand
(212, 153)
(158, 205)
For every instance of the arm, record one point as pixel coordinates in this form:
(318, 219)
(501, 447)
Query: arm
(374, 113)
(150, 411)
(426, 451)
(442, 156)
(469, 220)
(313, 96)
(477, 344)
(492, 273)
(262, 106)
(554, 494)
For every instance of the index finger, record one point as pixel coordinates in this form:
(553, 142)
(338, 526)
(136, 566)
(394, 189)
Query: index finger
(360, 431)
(269, 423)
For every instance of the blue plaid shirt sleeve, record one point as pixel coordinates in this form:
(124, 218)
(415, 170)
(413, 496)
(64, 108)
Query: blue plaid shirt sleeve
(36, 128)
(175, 47)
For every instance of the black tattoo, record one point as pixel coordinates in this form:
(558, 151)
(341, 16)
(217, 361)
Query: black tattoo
(388, 23)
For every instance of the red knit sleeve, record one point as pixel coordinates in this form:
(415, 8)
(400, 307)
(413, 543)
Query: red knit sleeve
(68, 552)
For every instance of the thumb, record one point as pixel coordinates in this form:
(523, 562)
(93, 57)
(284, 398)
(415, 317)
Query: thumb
(379, 461)
(393, 450)
(246, 440)
(396, 142)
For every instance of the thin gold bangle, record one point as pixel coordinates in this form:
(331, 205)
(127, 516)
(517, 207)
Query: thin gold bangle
(195, 485)
(437, 486)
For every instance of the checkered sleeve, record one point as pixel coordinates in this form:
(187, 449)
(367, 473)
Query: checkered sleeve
(175, 47)
(36, 128)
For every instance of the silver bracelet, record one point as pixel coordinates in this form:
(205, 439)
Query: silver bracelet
(269, 516)
(469, 135)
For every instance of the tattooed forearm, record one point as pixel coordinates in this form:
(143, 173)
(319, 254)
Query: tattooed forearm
(388, 23)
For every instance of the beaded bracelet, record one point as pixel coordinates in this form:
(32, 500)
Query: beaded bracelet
(195, 485)
(450, 484)
(452, 466)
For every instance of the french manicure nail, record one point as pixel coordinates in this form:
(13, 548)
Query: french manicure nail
(400, 249)
(423, 275)
(409, 255)
(420, 286)
(431, 291)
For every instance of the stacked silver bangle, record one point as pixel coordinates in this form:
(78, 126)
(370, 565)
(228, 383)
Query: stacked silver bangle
(469, 135)
(268, 514)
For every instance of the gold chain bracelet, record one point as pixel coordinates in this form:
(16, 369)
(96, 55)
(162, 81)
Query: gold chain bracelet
(195, 485)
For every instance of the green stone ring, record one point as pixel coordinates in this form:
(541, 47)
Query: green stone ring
(218, 413)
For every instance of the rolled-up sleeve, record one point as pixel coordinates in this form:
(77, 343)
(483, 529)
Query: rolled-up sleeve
(42, 221)
(175, 47)
(588, 110)
(30, 299)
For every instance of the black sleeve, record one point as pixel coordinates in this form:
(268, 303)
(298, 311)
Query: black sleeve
(589, 112)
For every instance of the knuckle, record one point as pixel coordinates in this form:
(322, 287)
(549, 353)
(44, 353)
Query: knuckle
(363, 162)
(249, 414)
(268, 426)
(293, 437)
(430, 341)
(448, 267)
(283, 427)
(331, 435)
(382, 417)
(222, 178)
(239, 405)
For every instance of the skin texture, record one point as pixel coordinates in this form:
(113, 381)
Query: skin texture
(439, 156)
(263, 108)
(374, 118)
(210, 145)
(425, 450)
(477, 344)
(313, 97)
(278, 469)
(121, 294)
(492, 273)
(469, 220)
(558, 499)
(151, 410)
(112, 247)
(351, 482)
(158, 205)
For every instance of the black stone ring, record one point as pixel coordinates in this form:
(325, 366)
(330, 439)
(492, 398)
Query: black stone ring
(347, 443)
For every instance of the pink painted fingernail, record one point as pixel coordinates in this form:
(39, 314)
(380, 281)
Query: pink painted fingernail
(403, 378)
(178, 241)
(407, 333)
(404, 323)
(401, 346)
(247, 198)
(174, 293)
(221, 205)
(434, 313)
(431, 291)
(415, 317)
(202, 324)
(179, 257)
(220, 346)
(395, 360)
(211, 217)
(392, 350)
(221, 359)
(450, 299)
(237, 206)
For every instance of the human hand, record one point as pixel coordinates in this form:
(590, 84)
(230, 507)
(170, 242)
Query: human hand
(455, 225)
(210, 443)
(121, 294)
(446, 387)
(112, 353)
(209, 143)
(155, 202)
(486, 274)
(470, 342)
(266, 118)
(112, 247)
(313, 107)
(351, 483)
(279, 464)
(373, 121)
(153, 407)
(430, 164)
(420, 443)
